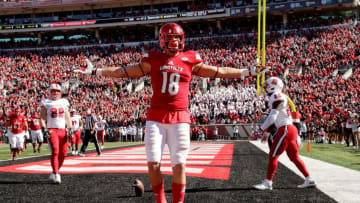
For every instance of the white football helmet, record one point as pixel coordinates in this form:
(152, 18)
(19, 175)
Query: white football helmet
(72, 112)
(273, 85)
(55, 91)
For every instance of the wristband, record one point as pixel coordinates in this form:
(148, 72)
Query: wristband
(96, 71)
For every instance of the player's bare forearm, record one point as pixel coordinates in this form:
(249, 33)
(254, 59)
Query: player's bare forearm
(26, 127)
(43, 117)
(130, 71)
(204, 70)
(68, 119)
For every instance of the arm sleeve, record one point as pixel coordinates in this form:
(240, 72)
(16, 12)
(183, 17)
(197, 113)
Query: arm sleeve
(270, 119)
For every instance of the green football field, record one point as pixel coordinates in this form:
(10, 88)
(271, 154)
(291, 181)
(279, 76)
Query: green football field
(338, 154)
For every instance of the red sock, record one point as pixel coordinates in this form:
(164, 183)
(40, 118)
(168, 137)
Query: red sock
(178, 192)
(159, 193)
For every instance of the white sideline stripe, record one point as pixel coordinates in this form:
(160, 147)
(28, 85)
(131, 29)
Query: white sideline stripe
(117, 168)
(74, 162)
(106, 156)
(340, 183)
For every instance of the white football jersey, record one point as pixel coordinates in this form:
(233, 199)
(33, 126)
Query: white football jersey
(75, 120)
(283, 118)
(55, 111)
(101, 125)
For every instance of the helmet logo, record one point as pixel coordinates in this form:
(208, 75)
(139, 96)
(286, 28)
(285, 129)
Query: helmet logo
(274, 82)
(170, 31)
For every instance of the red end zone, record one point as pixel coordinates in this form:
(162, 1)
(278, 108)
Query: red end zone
(204, 161)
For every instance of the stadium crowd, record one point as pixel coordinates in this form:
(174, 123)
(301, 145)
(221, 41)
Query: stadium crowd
(316, 58)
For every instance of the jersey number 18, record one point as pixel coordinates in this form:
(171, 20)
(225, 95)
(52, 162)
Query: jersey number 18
(172, 84)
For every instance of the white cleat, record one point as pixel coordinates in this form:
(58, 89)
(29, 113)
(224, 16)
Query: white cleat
(57, 178)
(81, 154)
(73, 152)
(102, 147)
(52, 177)
(309, 182)
(265, 185)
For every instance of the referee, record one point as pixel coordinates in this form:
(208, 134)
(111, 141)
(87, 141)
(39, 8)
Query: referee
(90, 126)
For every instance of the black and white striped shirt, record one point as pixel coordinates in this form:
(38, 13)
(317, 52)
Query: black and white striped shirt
(90, 121)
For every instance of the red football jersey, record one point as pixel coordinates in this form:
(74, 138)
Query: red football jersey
(17, 124)
(170, 79)
(34, 124)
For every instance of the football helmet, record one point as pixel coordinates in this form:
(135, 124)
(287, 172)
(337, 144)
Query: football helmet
(72, 112)
(55, 91)
(34, 114)
(273, 85)
(167, 43)
(16, 111)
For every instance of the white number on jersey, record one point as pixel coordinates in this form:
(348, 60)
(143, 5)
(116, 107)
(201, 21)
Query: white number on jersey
(173, 86)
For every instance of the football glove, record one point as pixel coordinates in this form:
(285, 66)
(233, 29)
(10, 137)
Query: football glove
(89, 70)
(45, 132)
(299, 143)
(257, 70)
(70, 132)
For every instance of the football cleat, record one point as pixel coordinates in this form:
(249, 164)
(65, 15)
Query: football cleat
(265, 185)
(309, 182)
(52, 177)
(81, 154)
(57, 178)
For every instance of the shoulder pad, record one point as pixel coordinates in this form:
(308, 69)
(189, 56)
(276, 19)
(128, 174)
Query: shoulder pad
(191, 57)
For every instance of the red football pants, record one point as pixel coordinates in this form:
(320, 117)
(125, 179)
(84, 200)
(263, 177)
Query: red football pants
(285, 139)
(59, 147)
(100, 136)
(75, 140)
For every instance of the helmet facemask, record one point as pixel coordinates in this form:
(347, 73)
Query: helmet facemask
(172, 38)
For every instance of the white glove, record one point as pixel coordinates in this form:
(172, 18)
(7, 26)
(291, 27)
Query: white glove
(265, 137)
(88, 70)
(299, 143)
(257, 70)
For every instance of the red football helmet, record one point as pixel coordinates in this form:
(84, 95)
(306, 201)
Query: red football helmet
(16, 111)
(34, 114)
(170, 44)
(55, 91)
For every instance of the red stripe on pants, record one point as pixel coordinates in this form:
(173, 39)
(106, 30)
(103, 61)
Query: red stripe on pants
(59, 147)
(100, 136)
(285, 139)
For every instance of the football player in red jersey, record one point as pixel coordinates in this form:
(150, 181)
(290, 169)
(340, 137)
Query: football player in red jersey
(168, 117)
(18, 125)
(35, 128)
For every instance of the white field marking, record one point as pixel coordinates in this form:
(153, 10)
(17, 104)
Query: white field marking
(75, 162)
(105, 156)
(104, 169)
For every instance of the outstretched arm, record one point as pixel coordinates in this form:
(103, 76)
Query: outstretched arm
(129, 71)
(204, 70)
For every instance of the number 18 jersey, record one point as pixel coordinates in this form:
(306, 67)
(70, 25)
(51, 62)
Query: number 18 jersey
(170, 79)
(55, 112)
